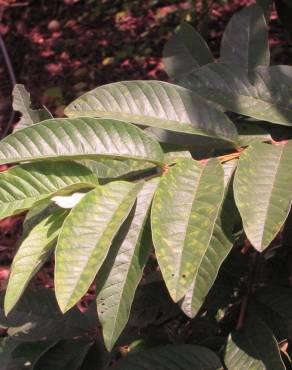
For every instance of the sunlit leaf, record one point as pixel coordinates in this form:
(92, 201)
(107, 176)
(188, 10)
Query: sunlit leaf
(158, 104)
(262, 190)
(184, 211)
(86, 237)
(79, 138)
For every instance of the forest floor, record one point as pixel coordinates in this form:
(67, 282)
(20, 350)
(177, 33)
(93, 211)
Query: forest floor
(62, 48)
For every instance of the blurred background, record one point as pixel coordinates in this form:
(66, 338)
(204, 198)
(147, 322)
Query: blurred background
(61, 48)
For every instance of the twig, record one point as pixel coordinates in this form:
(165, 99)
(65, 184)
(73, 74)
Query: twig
(13, 81)
(245, 299)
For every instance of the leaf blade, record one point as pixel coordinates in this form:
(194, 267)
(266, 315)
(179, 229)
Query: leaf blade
(31, 255)
(218, 248)
(253, 348)
(245, 39)
(86, 237)
(171, 357)
(24, 185)
(262, 191)
(116, 294)
(79, 138)
(183, 215)
(155, 103)
(21, 103)
(184, 51)
(267, 99)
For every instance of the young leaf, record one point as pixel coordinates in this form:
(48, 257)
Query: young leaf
(79, 138)
(86, 237)
(245, 40)
(31, 255)
(125, 264)
(21, 103)
(262, 190)
(171, 357)
(267, 99)
(219, 246)
(184, 211)
(24, 185)
(253, 347)
(158, 104)
(184, 51)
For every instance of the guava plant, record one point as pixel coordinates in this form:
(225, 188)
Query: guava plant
(174, 200)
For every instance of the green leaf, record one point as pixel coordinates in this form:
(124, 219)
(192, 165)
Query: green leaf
(262, 190)
(197, 144)
(158, 104)
(86, 237)
(79, 138)
(245, 40)
(184, 51)
(23, 186)
(152, 306)
(66, 355)
(253, 348)
(37, 316)
(114, 168)
(266, 6)
(249, 133)
(216, 251)
(21, 103)
(31, 255)
(185, 207)
(126, 261)
(36, 214)
(16, 355)
(267, 99)
(278, 299)
(171, 357)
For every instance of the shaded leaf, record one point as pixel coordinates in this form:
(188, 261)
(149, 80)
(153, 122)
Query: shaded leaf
(184, 51)
(79, 138)
(31, 255)
(16, 355)
(126, 261)
(37, 316)
(217, 250)
(158, 104)
(278, 299)
(152, 306)
(253, 348)
(262, 190)
(184, 210)
(86, 237)
(114, 168)
(245, 39)
(197, 144)
(249, 133)
(23, 186)
(22, 103)
(171, 357)
(267, 99)
(66, 355)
